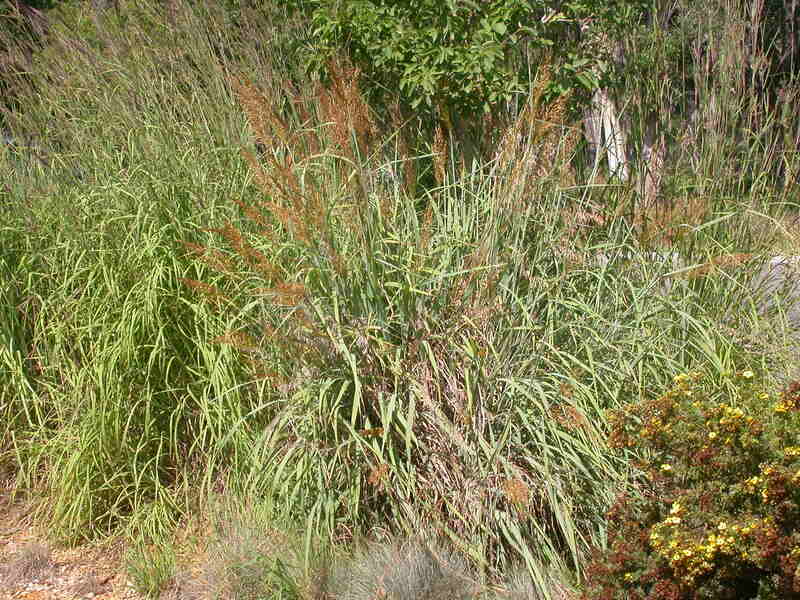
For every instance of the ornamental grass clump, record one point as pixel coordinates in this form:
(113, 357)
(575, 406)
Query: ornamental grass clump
(718, 515)
(394, 342)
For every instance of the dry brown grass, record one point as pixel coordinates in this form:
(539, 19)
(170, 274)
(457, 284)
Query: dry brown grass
(539, 144)
(664, 224)
(440, 155)
(403, 151)
(333, 120)
(726, 261)
(210, 293)
(353, 129)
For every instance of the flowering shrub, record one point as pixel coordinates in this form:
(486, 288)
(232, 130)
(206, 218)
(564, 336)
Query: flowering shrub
(718, 515)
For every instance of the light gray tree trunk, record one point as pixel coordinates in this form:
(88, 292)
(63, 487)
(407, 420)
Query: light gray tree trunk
(606, 135)
(604, 127)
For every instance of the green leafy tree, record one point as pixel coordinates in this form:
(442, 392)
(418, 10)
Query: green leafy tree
(456, 59)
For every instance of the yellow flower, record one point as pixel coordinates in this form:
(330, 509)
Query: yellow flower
(666, 468)
(712, 435)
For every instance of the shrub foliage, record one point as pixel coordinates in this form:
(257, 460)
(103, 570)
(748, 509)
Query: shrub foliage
(461, 58)
(719, 514)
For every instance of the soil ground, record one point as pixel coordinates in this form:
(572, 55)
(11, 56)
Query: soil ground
(32, 568)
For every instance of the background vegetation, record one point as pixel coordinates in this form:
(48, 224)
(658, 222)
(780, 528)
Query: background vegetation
(258, 279)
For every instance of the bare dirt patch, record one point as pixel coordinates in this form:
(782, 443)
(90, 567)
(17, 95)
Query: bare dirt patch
(32, 568)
